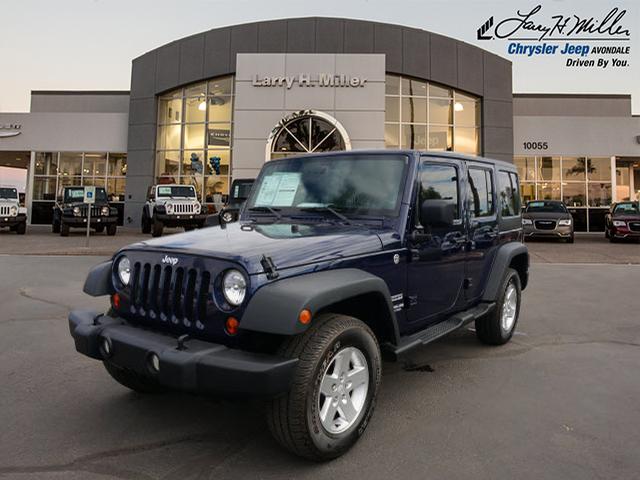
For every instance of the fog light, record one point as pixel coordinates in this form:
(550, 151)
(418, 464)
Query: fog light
(231, 325)
(105, 346)
(154, 363)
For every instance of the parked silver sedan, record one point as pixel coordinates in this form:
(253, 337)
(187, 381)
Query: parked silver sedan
(547, 219)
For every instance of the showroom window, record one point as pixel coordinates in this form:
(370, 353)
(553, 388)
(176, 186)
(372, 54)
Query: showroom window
(308, 131)
(582, 183)
(194, 138)
(55, 170)
(426, 116)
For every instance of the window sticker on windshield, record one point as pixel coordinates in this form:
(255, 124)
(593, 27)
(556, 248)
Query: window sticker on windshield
(536, 204)
(278, 189)
(164, 190)
(76, 193)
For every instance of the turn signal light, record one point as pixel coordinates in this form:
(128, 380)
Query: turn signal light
(231, 325)
(304, 317)
(115, 300)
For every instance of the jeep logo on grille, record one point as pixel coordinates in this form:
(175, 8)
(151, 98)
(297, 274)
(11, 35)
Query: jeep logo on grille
(170, 260)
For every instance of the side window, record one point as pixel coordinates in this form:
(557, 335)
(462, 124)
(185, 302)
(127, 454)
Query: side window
(516, 189)
(480, 192)
(440, 182)
(509, 201)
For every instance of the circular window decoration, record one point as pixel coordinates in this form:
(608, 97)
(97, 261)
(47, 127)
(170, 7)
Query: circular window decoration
(306, 131)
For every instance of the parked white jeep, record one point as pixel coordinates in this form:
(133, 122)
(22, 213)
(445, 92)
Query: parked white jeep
(171, 206)
(12, 215)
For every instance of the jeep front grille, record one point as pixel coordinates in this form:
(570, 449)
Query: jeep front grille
(183, 208)
(170, 294)
(5, 210)
(95, 211)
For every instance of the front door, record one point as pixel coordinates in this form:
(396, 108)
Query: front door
(436, 273)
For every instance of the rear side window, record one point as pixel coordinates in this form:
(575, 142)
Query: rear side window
(508, 197)
(480, 192)
(439, 182)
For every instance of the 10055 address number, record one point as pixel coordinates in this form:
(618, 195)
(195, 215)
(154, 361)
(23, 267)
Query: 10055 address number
(535, 145)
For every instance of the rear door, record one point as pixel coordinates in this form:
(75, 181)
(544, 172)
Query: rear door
(482, 218)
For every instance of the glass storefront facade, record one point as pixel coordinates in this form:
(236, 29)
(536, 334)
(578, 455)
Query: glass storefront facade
(193, 147)
(425, 116)
(56, 170)
(582, 183)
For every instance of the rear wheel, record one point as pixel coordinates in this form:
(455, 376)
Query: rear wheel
(112, 229)
(132, 380)
(497, 327)
(334, 389)
(145, 224)
(156, 228)
(64, 229)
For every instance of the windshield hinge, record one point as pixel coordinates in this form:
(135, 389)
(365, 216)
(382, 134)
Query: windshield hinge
(269, 267)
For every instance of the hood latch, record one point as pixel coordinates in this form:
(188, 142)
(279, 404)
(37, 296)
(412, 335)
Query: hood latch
(269, 267)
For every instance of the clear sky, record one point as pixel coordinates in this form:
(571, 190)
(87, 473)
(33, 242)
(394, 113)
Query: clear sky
(89, 44)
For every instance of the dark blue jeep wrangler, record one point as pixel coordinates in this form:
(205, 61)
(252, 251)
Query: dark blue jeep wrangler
(336, 259)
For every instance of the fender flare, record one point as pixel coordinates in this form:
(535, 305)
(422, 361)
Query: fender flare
(275, 307)
(98, 282)
(501, 262)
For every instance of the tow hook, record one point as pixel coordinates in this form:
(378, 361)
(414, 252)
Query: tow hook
(181, 340)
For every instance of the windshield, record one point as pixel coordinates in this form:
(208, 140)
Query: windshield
(77, 195)
(177, 191)
(365, 184)
(547, 207)
(626, 209)
(8, 193)
(241, 190)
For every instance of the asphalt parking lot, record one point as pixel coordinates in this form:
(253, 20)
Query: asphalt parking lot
(559, 401)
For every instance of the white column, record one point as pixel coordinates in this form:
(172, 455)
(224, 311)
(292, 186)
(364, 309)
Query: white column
(28, 194)
(614, 180)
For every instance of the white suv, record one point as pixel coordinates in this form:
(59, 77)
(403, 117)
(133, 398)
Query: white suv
(12, 215)
(171, 206)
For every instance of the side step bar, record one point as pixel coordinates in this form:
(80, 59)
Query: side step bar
(437, 330)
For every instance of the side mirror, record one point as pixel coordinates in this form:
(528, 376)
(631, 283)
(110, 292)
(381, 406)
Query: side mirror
(437, 213)
(212, 221)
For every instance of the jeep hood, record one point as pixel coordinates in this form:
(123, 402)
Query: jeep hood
(288, 245)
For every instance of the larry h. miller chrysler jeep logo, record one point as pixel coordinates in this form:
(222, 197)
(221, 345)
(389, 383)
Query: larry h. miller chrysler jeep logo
(585, 41)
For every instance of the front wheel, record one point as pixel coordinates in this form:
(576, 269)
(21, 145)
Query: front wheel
(64, 229)
(497, 327)
(145, 224)
(21, 228)
(112, 229)
(156, 228)
(334, 389)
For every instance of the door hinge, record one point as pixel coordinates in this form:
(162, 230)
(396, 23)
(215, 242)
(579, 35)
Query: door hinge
(410, 301)
(467, 284)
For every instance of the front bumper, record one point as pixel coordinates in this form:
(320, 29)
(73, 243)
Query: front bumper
(95, 221)
(188, 219)
(563, 231)
(13, 221)
(201, 367)
(621, 232)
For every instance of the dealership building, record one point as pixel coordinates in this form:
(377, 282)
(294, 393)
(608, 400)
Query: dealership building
(213, 107)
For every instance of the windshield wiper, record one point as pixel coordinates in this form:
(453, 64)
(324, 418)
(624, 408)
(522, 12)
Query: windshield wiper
(273, 211)
(327, 208)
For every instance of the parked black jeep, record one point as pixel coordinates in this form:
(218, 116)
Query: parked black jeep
(336, 259)
(70, 211)
(240, 189)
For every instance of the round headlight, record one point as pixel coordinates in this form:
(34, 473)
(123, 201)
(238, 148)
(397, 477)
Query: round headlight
(105, 211)
(76, 211)
(13, 210)
(168, 207)
(124, 270)
(234, 287)
(196, 208)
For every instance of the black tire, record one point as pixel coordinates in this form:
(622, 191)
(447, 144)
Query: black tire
(293, 418)
(132, 380)
(612, 239)
(145, 224)
(571, 239)
(21, 228)
(156, 228)
(606, 232)
(55, 226)
(99, 229)
(112, 228)
(64, 229)
(489, 328)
